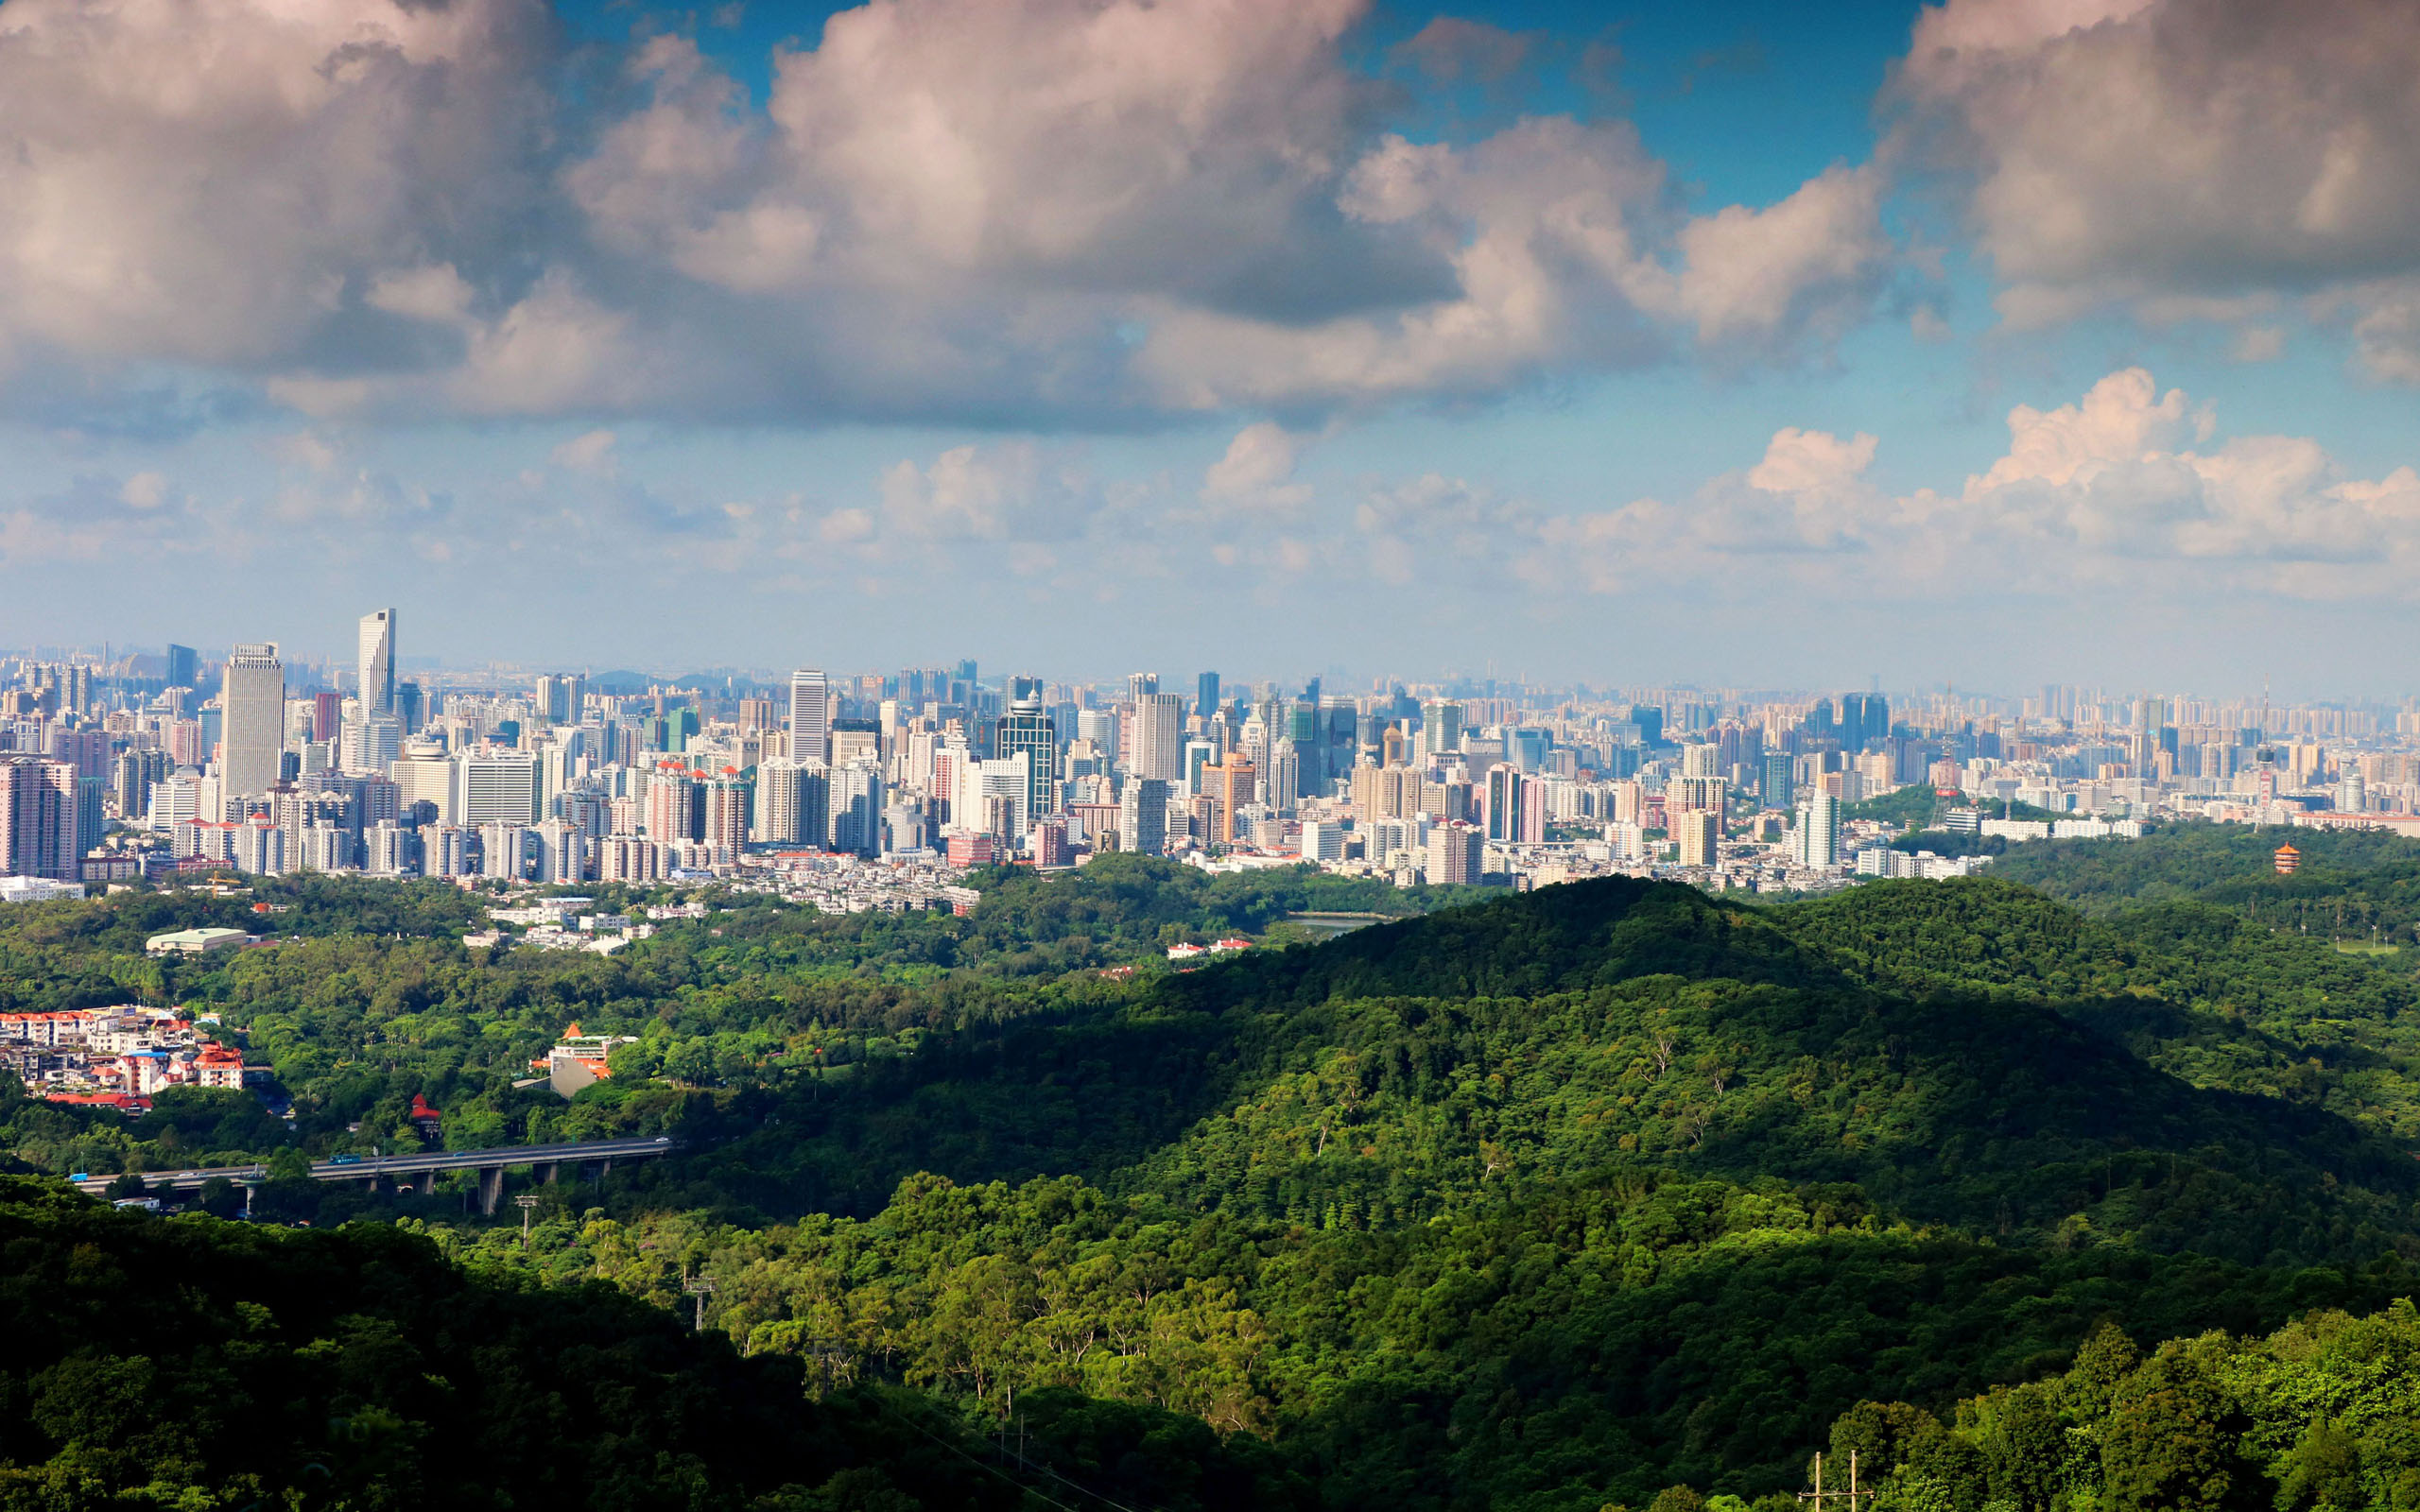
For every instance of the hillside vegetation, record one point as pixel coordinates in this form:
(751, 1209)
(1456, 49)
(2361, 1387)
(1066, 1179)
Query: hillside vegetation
(1549, 1201)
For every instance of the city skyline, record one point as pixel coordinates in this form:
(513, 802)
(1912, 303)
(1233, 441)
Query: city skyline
(1740, 345)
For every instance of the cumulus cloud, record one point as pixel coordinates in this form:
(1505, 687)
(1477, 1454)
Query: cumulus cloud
(1014, 491)
(2134, 152)
(1256, 472)
(1087, 212)
(2122, 490)
(227, 183)
(1812, 263)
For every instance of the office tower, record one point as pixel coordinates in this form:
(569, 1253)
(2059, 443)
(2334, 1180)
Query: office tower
(253, 696)
(728, 800)
(500, 788)
(1026, 730)
(184, 666)
(810, 717)
(390, 851)
(1649, 719)
(1159, 737)
(791, 803)
(563, 851)
(425, 779)
(377, 664)
(1140, 684)
(856, 808)
(1285, 776)
(38, 815)
(675, 805)
(327, 713)
(1231, 787)
(370, 746)
(553, 699)
(1776, 790)
(1816, 841)
(1505, 816)
(1003, 797)
(1302, 727)
(1099, 725)
(902, 828)
(1852, 721)
(409, 707)
(1198, 755)
(1456, 854)
(1697, 831)
(1206, 694)
(445, 852)
(260, 848)
(503, 847)
(133, 776)
(1143, 817)
(850, 743)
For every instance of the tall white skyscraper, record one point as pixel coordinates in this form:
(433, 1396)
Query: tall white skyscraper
(252, 730)
(377, 664)
(810, 717)
(1815, 840)
(1159, 737)
(1143, 817)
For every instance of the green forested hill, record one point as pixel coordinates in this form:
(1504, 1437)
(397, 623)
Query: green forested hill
(1549, 1201)
(2201, 991)
(2352, 885)
(1593, 1026)
(192, 1364)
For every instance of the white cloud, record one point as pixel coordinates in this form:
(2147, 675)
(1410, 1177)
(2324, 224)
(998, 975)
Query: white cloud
(1798, 461)
(592, 453)
(145, 491)
(1813, 262)
(2117, 491)
(1013, 491)
(2124, 419)
(1256, 472)
(205, 181)
(1005, 212)
(2140, 153)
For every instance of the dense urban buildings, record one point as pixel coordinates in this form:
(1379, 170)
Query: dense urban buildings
(259, 762)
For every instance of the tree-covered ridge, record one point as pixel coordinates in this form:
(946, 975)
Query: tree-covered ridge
(2355, 886)
(2203, 992)
(1569, 1345)
(2323, 1413)
(369, 998)
(1913, 806)
(1581, 1028)
(195, 1364)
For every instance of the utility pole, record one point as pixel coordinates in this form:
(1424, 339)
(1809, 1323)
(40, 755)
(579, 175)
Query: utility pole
(699, 1287)
(1818, 1497)
(525, 1202)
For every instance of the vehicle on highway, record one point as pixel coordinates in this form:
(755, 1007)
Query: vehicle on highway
(344, 1159)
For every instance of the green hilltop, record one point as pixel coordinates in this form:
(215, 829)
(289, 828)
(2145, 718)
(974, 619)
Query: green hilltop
(1551, 1200)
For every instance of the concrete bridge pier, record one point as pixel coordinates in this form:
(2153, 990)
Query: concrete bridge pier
(490, 1188)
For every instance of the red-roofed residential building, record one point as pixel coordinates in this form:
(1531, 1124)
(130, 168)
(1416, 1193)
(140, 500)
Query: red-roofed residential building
(219, 1066)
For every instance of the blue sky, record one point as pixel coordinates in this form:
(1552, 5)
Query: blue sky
(1758, 345)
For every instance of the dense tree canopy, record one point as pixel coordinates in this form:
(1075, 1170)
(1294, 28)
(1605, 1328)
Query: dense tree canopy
(2094, 1192)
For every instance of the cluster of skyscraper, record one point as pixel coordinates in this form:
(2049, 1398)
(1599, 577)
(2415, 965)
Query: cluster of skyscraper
(253, 763)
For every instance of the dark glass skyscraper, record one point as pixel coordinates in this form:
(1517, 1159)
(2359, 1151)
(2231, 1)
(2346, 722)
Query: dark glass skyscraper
(1026, 727)
(1205, 695)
